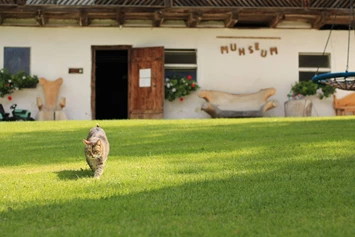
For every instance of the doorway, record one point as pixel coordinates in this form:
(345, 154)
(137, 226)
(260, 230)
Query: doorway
(110, 83)
(120, 90)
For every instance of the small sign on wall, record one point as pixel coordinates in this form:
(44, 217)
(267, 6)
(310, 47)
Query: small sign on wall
(76, 71)
(145, 77)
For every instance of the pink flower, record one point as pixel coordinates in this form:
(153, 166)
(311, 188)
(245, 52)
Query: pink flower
(189, 77)
(9, 97)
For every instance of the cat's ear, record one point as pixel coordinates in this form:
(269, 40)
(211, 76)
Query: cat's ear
(86, 142)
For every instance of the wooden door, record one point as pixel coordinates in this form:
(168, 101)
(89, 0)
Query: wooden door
(146, 95)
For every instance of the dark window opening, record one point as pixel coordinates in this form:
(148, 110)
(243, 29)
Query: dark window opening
(17, 59)
(251, 25)
(313, 60)
(307, 76)
(181, 56)
(180, 63)
(335, 27)
(311, 64)
(172, 73)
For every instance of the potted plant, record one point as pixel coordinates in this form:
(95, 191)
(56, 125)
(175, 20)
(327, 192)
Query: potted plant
(309, 88)
(298, 105)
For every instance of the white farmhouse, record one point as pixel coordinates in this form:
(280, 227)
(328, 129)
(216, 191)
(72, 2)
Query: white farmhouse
(114, 55)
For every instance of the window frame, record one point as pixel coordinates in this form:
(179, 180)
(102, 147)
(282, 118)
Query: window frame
(23, 55)
(181, 66)
(314, 70)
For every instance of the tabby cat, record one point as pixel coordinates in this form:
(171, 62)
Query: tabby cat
(96, 150)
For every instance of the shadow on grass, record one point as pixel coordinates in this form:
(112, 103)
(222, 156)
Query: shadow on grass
(139, 138)
(294, 200)
(74, 174)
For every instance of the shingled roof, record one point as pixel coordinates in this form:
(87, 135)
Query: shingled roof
(317, 14)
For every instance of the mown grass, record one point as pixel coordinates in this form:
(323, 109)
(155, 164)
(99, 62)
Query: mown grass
(221, 177)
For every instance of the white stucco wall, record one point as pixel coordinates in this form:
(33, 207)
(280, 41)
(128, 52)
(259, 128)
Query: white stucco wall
(54, 50)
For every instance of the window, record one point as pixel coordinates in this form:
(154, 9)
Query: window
(310, 64)
(17, 59)
(180, 62)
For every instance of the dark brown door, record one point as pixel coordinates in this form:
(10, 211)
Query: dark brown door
(146, 84)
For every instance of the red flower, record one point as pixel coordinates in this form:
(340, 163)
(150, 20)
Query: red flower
(189, 77)
(181, 99)
(193, 85)
(8, 85)
(9, 97)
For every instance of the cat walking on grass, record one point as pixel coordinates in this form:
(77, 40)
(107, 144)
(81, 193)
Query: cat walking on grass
(96, 150)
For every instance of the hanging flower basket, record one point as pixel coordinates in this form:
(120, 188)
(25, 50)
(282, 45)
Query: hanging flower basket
(11, 82)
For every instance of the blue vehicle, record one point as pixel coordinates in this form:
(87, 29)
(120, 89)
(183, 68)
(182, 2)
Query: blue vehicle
(17, 114)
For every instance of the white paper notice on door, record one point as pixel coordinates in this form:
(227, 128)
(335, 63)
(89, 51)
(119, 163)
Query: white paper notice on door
(145, 77)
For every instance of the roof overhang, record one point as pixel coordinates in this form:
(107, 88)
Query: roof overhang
(296, 14)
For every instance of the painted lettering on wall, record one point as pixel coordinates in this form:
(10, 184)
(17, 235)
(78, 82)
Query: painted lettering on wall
(250, 49)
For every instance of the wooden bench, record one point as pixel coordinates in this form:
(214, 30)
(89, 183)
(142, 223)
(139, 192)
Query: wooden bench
(221, 104)
(344, 105)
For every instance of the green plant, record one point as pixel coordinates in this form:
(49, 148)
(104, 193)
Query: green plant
(307, 88)
(304, 88)
(6, 86)
(193, 177)
(179, 86)
(11, 82)
(326, 91)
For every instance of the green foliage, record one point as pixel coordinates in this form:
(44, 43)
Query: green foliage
(11, 82)
(5, 86)
(326, 91)
(308, 88)
(178, 87)
(304, 88)
(208, 177)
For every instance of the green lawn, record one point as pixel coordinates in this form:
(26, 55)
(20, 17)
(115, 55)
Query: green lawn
(212, 177)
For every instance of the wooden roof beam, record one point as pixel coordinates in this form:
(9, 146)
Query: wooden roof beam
(40, 18)
(277, 19)
(84, 19)
(320, 21)
(120, 18)
(300, 17)
(194, 19)
(232, 19)
(158, 18)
